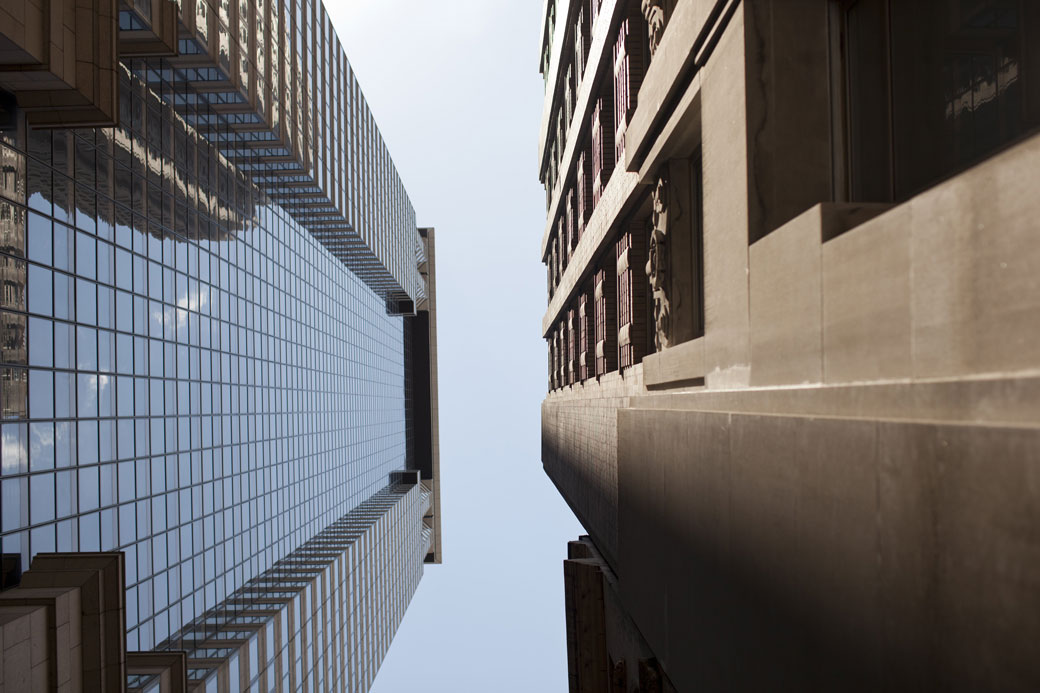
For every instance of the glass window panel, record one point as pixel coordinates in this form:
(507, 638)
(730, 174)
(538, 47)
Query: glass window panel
(64, 443)
(89, 532)
(66, 530)
(107, 486)
(63, 243)
(65, 488)
(12, 181)
(14, 508)
(64, 345)
(15, 393)
(141, 315)
(87, 390)
(41, 394)
(42, 539)
(14, 453)
(108, 529)
(124, 311)
(155, 280)
(40, 238)
(63, 296)
(155, 321)
(105, 307)
(41, 342)
(140, 356)
(38, 186)
(123, 270)
(106, 351)
(40, 290)
(89, 490)
(125, 480)
(86, 255)
(105, 263)
(13, 343)
(64, 395)
(126, 438)
(41, 446)
(106, 396)
(124, 353)
(41, 498)
(87, 442)
(140, 275)
(86, 349)
(141, 396)
(86, 302)
(14, 282)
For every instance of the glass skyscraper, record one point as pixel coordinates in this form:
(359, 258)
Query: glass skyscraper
(217, 334)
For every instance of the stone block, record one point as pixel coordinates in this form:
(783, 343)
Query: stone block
(837, 546)
(676, 366)
(787, 304)
(866, 301)
(976, 289)
(960, 554)
(724, 158)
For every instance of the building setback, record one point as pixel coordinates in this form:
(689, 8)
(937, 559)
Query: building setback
(218, 392)
(792, 329)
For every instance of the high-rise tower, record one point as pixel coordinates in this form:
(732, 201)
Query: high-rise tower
(217, 335)
(793, 324)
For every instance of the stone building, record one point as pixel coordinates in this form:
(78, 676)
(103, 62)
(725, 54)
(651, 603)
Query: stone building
(793, 328)
(218, 391)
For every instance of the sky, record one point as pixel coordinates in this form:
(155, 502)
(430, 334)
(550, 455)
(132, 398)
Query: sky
(456, 92)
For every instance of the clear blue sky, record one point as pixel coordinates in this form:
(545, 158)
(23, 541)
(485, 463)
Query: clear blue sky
(455, 89)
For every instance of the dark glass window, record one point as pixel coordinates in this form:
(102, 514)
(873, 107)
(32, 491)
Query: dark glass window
(934, 86)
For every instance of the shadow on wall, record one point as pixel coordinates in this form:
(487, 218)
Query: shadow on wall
(789, 553)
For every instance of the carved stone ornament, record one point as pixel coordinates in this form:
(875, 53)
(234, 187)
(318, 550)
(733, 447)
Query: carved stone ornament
(653, 12)
(659, 263)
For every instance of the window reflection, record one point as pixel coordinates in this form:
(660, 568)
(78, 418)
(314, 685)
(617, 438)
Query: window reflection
(13, 342)
(226, 342)
(933, 87)
(12, 229)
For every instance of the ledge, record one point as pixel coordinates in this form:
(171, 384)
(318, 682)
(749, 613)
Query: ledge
(678, 366)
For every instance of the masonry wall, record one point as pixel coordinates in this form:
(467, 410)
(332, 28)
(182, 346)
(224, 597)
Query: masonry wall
(835, 487)
(579, 449)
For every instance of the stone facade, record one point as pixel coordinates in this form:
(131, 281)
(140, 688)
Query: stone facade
(820, 474)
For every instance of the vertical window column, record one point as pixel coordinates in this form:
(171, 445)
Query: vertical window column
(629, 65)
(632, 295)
(605, 293)
(602, 147)
(586, 335)
(583, 191)
(572, 226)
(572, 354)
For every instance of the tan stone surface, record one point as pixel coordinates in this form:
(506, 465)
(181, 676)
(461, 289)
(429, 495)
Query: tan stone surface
(787, 304)
(820, 550)
(682, 364)
(727, 347)
(976, 287)
(866, 301)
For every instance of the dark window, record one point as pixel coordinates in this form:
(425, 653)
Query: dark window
(602, 148)
(605, 293)
(934, 86)
(632, 296)
(629, 64)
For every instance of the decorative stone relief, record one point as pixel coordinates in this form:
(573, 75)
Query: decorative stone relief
(654, 13)
(658, 264)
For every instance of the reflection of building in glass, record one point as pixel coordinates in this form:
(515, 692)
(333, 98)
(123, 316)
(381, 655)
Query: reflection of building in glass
(792, 327)
(217, 354)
